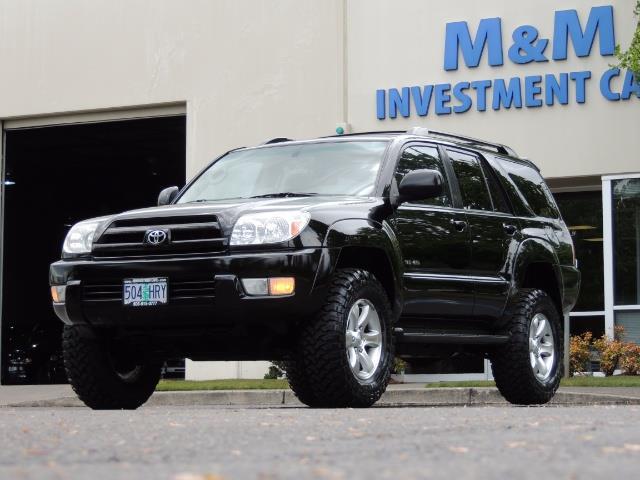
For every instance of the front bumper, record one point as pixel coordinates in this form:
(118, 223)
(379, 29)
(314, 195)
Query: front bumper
(215, 297)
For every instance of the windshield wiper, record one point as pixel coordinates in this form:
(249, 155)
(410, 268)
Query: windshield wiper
(285, 195)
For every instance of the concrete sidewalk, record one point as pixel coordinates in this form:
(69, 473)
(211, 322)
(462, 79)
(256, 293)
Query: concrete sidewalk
(396, 395)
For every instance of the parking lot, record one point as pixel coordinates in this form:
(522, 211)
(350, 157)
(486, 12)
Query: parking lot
(230, 442)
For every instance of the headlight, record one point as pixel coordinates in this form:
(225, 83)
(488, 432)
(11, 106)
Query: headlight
(268, 227)
(80, 237)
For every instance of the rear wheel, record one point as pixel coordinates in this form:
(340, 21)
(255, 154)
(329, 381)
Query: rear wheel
(103, 376)
(344, 355)
(528, 368)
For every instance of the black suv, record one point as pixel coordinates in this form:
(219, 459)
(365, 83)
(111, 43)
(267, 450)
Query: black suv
(333, 255)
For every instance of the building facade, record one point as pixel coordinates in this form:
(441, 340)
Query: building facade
(534, 75)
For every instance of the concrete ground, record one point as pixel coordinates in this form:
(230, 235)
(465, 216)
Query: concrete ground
(212, 443)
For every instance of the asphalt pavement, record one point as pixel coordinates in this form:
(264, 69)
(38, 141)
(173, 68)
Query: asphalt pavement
(213, 443)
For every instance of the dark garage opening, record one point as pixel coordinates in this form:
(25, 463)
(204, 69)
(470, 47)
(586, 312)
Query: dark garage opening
(53, 177)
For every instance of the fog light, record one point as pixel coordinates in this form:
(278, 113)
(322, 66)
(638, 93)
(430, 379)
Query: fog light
(282, 285)
(58, 293)
(255, 286)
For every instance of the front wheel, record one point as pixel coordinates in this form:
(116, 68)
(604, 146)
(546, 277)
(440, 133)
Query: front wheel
(344, 355)
(103, 376)
(528, 369)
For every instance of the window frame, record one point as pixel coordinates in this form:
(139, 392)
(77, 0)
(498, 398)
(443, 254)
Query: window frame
(483, 165)
(447, 170)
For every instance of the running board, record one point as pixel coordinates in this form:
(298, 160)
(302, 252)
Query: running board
(450, 338)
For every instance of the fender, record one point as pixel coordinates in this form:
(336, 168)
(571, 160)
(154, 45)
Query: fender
(534, 250)
(357, 232)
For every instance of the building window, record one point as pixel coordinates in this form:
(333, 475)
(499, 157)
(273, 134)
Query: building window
(582, 212)
(626, 240)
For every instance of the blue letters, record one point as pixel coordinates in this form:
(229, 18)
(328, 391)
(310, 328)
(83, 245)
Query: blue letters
(381, 112)
(399, 102)
(442, 97)
(481, 88)
(421, 100)
(580, 78)
(465, 100)
(567, 24)
(554, 89)
(524, 50)
(507, 96)
(629, 86)
(527, 46)
(458, 37)
(531, 89)
(605, 84)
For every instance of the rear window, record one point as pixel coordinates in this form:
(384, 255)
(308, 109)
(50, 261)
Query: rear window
(532, 187)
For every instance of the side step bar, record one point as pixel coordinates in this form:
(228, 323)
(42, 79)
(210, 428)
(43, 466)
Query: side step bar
(449, 338)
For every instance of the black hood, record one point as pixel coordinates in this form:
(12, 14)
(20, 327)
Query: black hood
(324, 208)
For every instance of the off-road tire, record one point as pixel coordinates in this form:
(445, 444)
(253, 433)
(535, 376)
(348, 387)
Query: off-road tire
(510, 363)
(325, 378)
(299, 383)
(94, 379)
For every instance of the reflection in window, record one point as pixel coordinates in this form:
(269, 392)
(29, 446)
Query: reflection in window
(473, 188)
(532, 187)
(423, 157)
(626, 240)
(582, 212)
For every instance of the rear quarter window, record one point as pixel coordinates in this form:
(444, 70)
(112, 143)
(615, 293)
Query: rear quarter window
(532, 187)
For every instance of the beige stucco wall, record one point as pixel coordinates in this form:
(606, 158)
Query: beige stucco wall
(247, 70)
(393, 44)
(252, 70)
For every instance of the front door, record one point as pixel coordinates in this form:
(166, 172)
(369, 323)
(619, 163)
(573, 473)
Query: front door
(435, 245)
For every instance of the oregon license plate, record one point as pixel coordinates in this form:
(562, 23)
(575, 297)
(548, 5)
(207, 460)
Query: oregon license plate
(145, 292)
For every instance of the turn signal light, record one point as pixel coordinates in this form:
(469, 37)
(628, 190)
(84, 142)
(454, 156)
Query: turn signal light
(282, 285)
(58, 293)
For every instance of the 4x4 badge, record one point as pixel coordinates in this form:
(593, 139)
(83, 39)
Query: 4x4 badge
(155, 237)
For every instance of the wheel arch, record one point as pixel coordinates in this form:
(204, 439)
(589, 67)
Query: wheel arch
(373, 246)
(536, 266)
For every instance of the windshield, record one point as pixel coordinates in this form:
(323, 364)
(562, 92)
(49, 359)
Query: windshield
(340, 168)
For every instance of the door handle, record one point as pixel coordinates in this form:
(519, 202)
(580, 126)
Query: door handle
(459, 225)
(509, 229)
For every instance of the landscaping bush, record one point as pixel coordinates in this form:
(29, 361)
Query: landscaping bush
(579, 353)
(630, 361)
(611, 351)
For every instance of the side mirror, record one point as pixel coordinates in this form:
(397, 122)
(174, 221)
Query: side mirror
(421, 185)
(167, 196)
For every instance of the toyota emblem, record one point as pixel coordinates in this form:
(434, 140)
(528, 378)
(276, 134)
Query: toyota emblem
(155, 237)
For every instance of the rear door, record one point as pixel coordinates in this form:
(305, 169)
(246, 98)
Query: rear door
(435, 244)
(493, 229)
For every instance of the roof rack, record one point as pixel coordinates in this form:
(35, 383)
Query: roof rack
(277, 140)
(500, 148)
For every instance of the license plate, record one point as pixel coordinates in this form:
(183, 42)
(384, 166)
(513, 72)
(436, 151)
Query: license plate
(145, 292)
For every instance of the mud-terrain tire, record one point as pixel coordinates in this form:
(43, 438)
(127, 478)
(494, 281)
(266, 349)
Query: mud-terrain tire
(528, 368)
(96, 380)
(333, 347)
(299, 383)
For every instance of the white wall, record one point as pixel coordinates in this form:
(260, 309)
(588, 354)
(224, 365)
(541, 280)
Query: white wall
(216, 370)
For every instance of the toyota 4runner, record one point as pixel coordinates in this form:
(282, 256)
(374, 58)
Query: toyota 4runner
(333, 255)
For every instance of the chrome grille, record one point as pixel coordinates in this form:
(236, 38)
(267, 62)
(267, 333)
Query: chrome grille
(192, 234)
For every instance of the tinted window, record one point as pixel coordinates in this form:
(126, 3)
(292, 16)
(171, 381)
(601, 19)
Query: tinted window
(420, 157)
(497, 195)
(473, 187)
(532, 187)
(326, 168)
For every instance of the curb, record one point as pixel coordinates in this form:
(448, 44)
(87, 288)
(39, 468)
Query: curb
(425, 397)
